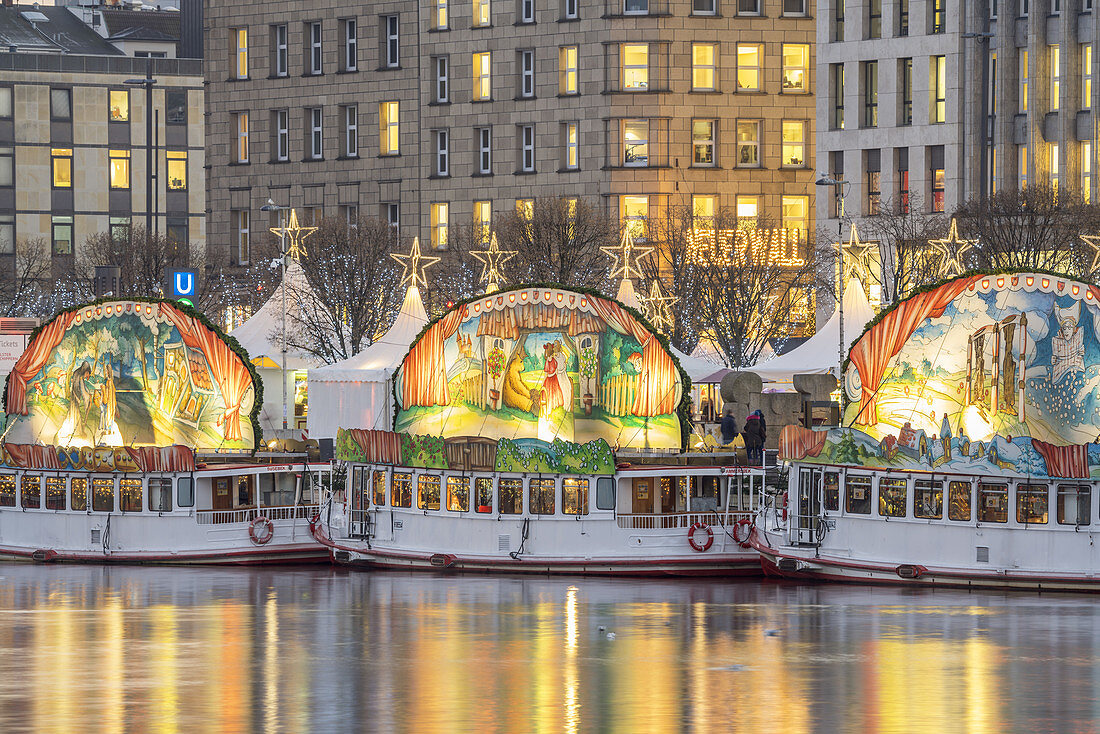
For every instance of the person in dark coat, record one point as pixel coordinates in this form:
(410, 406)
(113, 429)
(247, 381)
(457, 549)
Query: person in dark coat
(729, 425)
(754, 437)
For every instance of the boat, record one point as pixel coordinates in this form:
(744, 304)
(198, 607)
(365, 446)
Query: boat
(501, 458)
(967, 455)
(131, 437)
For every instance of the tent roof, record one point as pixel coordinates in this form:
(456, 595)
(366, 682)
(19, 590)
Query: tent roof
(700, 370)
(820, 353)
(379, 361)
(260, 335)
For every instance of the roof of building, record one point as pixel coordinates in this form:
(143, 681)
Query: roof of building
(142, 25)
(22, 27)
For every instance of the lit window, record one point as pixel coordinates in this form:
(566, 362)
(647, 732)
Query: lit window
(541, 492)
(636, 142)
(119, 106)
(796, 214)
(939, 70)
(1055, 77)
(482, 13)
(240, 222)
(511, 496)
(703, 209)
(241, 152)
(748, 143)
(62, 163)
(958, 501)
(458, 494)
(483, 88)
(1032, 504)
(903, 16)
(62, 235)
(378, 488)
(31, 488)
(748, 67)
(525, 208)
(1023, 80)
(440, 213)
(702, 142)
(1053, 160)
(55, 493)
(567, 70)
(572, 146)
(240, 38)
(401, 490)
(794, 143)
(891, 497)
(857, 495)
(427, 492)
(702, 66)
(129, 495)
(927, 499)
(483, 220)
(1022, 167)
(574, 496)
(1086, 171)
(636, 66)
(937, 181)
(7, 490)
(796, 59)
(992, 503)
(748, 209)
(483, 491)
(1086, 76)
(177, 170)
(440, 14)
(939, 16)
(388, 128)
(633, 215)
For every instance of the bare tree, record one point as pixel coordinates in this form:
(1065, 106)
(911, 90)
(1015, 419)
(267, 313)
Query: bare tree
(144, 262)
(26, 292)
(240, 290)
(458, 274)
(906, 260)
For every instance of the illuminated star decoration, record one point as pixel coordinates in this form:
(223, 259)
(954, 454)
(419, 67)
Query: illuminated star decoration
(491, 260)
(951, 249)
(415, 264)
(296, 233)
(1093, 241)
(658, 307)
(626, 256)
(856, 258)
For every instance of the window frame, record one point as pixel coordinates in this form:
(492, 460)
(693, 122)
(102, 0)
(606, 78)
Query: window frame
(442, 145)
(458, 493)
(539, 490)
(630, 159)
(484, 150)
(389, 127)
(30, 497)
(989, 512)
(1025, 510)
(483, 76)
(788, 70)
(893, 497)
(118, 160)
(282, 135)
(784, 144)
(124, 118)
(351, 130)
(572, 146)
(1078, 491)
(392, 41)
(240, 52)
(569, 71)
(753, 145)
(61, 161)
(698, 69)
(172, 164)
(632, 70)
(315, 48)
(526, 73)
(316, 133)
(527, 148)
(7, 490)
(754, 69)
(427, 499)
(98, 497)
(241, 147)
(60, 222)
(282, 54)
(53, 492)
(442, 87)
(351, 44)
(160, 488)
(440, 222)
(578, 488)
(515, 495)
(850, 498)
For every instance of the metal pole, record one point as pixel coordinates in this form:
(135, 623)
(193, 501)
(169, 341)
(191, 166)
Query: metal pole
(282, 249)
(156, 169)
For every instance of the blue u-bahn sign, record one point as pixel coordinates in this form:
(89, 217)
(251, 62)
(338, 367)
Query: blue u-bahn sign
(183, 285)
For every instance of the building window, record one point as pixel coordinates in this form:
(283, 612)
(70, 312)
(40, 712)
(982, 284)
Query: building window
(483, 87)
(526, 11)
(442, 153)
(7, 167)
(1021, 162)
(838, 96)
(483, 15)
(239, 219)
(440, 15)
(794, 7)
(795, 211)
(873, 181)
(836, 161)
(483, 220)
(526, 74)
(240, 152)
(279, 35)
(118, 107)
(1086, 171)
(636, 66)
(7, 234)
(484, 150)
(748, 67)
(1055, 77)
(634, 211)
(794, 144)
(388, 128)
(905, 84)
(314, 118)
(874, 19)
(939, 16)
(567, 70)
(635, 7)
(702, 142)
(748, 7)
(569, 11)
(315, 57)
(747, 209)
(635, 142)
(61, 104)
(903, 17)
(703, 62)
(1086, 76)
(572, 146)
(936, 178)
(527, 148)
(392, 43)
(177, 170)
(838, 20)
(62, 164)
(240, 52)
(391, 211)
(62, 235)
(1023, 80)
(902, 156)
(5, 103)
(439, 212)
(351, 43)
(796, 57)
(704, 7)
(870, 94)
(748, 143)
(175, 107)
(703, 209)
(1052, 157)
(939, 86)
(118, 169)
(440, 64)
(282, 135)
(525, 208)
(351, 131)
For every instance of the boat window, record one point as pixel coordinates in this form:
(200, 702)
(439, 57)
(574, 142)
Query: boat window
(458, 494)
(832, 490)
(267, 488)
(7, 490)
(401, 491)
(574, 496)
(103, 494)
(78, 487)
(958, 501)
(160, 494)
(185, 492)
(891, 497)
(427, 492)
(32, 491)
(857, 495)
(55, 493)
(379, 488)
(1031, 504)
(129, 495)
(993, 502)
(1074, 504)
(542, 496)
(246, 491)
(605, 493)
(928, 499)
(511, 496)
(483, 486)
(673, 494)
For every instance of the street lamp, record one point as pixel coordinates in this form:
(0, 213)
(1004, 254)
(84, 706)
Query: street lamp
(148, 83)
(982, 37)
(842, 189)
(271, 206)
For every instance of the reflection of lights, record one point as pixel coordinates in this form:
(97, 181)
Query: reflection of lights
(271, 657)
(165, 700)
(572, 705)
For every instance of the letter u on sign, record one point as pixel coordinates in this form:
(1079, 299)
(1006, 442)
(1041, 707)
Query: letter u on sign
(183, 283)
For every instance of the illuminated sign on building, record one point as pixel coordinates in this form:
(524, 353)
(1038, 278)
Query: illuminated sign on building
(762, 246)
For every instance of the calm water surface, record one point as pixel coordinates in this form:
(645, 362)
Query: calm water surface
(318, 649)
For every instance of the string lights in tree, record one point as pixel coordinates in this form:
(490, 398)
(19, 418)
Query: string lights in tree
(951, 250)
(415, 264)
(295, 233)
(491, 260)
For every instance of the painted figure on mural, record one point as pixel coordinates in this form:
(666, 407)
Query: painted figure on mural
(557, 390)
(1068, 346)
(80, 400)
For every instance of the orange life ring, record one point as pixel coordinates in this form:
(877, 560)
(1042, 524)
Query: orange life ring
(742, 523)
(784, 506)
(696, 545)
(261, 530)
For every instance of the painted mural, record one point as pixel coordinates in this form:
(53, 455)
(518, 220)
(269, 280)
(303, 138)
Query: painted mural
(541, 363)
(128, 373)
(984, 373)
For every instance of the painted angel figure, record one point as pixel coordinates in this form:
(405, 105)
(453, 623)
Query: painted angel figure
(1068, 346)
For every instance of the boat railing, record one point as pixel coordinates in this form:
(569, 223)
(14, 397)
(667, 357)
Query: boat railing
(681, 519)
(220, 517)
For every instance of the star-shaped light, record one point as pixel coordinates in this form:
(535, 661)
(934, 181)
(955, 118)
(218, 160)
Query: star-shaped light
(658, 307)
(415, 264)
(951, 249)
(626, 256)
(856, 258)
(1093, 241)
(296, 234)
(491, 260)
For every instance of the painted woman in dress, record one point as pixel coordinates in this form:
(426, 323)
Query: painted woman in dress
(557, 390)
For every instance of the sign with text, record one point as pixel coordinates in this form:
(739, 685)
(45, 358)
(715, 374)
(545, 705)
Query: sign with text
(183, 285)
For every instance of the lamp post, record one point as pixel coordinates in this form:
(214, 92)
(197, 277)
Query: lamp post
(982, 37)
(148, 83)
(271, 206)
(842, 188)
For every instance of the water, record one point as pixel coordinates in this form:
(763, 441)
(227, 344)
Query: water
(85, 648)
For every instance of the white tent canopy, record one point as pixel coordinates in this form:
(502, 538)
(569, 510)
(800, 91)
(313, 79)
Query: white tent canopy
(261, 335)
(355, 393)
(820, 353)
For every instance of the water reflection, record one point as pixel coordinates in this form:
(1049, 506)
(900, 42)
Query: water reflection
(168, 650)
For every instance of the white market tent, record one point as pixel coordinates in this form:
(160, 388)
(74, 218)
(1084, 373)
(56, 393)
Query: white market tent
(356, 392)
(820, 353)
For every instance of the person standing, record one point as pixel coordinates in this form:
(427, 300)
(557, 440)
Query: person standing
(754, 438)
(729, 425)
